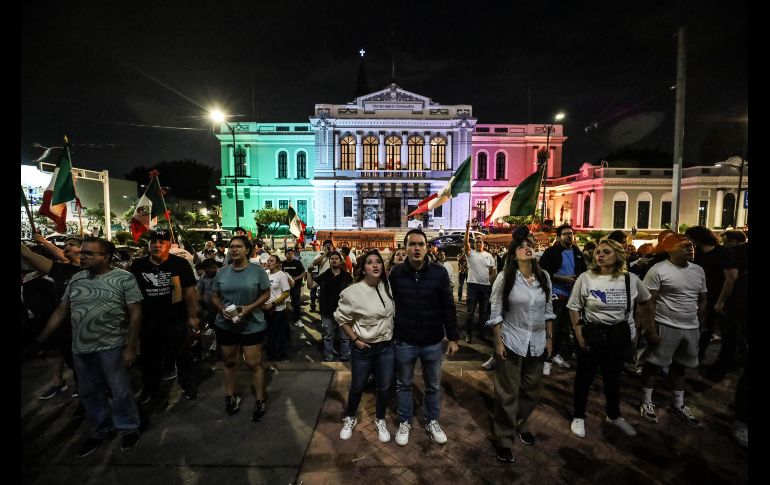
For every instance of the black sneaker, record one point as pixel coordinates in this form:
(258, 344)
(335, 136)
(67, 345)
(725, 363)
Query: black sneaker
(527, 438)
(233, 404)
(504, 454)
(129, 440)
(190, 393)
(260, 408)
(52, 391)
(88, 447)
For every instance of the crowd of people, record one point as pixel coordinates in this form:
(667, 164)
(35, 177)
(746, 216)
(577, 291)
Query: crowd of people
(604, 307)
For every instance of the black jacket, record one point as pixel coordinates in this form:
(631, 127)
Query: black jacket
(425, 307)
(551, 259)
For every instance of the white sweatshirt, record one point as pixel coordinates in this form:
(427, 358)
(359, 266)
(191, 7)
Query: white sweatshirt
(370, 315)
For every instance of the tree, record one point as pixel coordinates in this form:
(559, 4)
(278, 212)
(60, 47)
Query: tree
(597, 234)
(269, 220)
(97, 214)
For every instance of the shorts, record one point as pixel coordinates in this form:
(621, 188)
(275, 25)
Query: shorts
(228, 339)
(676, 344)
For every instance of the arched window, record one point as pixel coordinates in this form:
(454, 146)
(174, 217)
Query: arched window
(665, 210)
(239, 161)
(370, 144)
(481, 166)
(301, 165)
(283, 165)
(348, 153)
(500, 166)
(728, 210)
(619, 210)
(415, 145)
(587, 211)
(643, 206)
(393, 152)
(438, 153)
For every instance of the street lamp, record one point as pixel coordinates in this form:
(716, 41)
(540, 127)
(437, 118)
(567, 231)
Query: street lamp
(219, 117)
(737, 163)
(543, 157)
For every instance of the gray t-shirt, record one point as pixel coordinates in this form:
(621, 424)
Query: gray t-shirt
(241, 287)
(678, 289)
(478, 267)
(99, 309)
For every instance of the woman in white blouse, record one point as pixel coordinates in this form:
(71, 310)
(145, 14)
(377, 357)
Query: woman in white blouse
(522, 318)
(365, 312)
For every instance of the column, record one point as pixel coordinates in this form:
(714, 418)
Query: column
(359, 153)
(426, 152)
(534, 159)
(741, 211)
(337, 157)
(578, 211)
(404, 152)
(381, 152)
(592, 209)
(449, 163)
(718, 208)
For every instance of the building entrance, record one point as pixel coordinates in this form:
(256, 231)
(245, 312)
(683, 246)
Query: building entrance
(392, 212)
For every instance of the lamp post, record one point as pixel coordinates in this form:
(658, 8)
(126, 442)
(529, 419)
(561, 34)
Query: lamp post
(219, 117)
(543, 160)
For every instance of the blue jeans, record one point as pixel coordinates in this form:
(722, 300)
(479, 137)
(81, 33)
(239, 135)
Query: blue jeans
(379, 357)
(478, 294)
(430, 358)
(98, 372)
(331, 331)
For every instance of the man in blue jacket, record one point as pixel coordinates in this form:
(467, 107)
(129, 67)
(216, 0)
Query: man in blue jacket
(425, 312)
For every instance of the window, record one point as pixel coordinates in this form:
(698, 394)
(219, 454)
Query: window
(415, 145)
(728, 210)
(281, 128)
(703, 209)
(301, 165)
(302, 210)
(481, 210)
(268, 204)
(481, 167)
(240, 161)
(643, 214)
(482, 130)
(348, 153)
(370, 144)
(500, 166)
(501, 130)
(619, 214)
(438, 153)
(438, 211)
(239, 208)
(301, 128)
(665, 213)
(283, 204)
(393, 152)
(283, 165)
(347, 207)
(587, 211)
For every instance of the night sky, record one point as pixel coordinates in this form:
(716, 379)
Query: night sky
(130, 82)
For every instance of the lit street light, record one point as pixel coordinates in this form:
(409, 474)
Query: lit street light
(219, 117)
(543, 157)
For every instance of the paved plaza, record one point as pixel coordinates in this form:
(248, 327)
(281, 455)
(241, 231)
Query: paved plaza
(194, 442)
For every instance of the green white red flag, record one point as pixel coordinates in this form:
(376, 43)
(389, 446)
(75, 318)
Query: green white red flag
(459, 182)
(296, 226)
(519, 202)
(61, 189)
(148, 208)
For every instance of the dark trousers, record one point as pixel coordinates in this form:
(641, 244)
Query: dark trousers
(742, 395)
(588, 363)
(461, 277)
(296, 300)
(313, 296)
(277, 335)
(562, 326)
(163, 338)
(380, 359)
(478, 295)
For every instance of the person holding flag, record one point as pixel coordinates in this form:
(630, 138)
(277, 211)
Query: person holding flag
(296, 226)
(148, 208)
(60, 190)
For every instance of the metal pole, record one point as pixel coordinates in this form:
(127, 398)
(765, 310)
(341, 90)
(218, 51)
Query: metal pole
(107, 219)
(681, 78)
(235, 179)
(545, 171)
(738, 200)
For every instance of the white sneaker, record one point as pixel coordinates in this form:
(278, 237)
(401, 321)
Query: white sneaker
(647, 411)
(490, 364)
(578, 427)
(299, 323)
(547, 369)
(558, 360)
(382, 430)
(402, 436)
(435, 431)
(348, 423)
(622, 425)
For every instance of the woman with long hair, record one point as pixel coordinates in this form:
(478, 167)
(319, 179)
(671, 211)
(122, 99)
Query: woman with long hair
(396, 257)
(522, 319)
(365, 313)
(600, 309)
(275, 311)
(246, 287)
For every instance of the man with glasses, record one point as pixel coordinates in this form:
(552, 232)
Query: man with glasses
(103, 304)
(564, 263)
(168, 285)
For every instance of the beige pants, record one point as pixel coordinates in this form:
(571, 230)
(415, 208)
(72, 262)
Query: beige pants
(518, 383)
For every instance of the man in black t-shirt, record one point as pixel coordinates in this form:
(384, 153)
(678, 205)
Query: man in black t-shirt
(294, 268)
(331, 283)
(168, 286)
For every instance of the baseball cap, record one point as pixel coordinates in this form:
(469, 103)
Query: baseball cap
(160, 235)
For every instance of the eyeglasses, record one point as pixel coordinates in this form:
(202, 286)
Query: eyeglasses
(91, 253)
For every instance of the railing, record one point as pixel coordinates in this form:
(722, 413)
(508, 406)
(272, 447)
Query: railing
(394, 174)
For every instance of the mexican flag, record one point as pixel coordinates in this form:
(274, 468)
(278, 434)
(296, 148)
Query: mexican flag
(60, 190)
(519, 202)
(422, 206)
(148, 208)
(296, 226)
(459, 182)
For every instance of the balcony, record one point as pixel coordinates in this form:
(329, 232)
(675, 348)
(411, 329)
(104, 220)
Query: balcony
(394, 174)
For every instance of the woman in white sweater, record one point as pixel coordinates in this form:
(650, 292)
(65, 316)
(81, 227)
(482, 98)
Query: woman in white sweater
(365, 313)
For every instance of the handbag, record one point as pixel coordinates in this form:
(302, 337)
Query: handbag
(606, 338)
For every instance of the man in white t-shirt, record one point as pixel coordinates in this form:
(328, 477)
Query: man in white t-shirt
(678, 289)
(482, 270)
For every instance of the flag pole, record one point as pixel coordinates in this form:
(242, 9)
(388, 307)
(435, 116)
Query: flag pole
(29, 213)
(74, 187)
